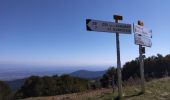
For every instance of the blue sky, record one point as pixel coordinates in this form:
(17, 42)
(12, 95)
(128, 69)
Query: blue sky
(53, 32)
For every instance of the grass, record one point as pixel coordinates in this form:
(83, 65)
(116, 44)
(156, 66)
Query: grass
(155, 90)
(158, 89)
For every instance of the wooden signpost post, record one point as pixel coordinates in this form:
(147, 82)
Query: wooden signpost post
(104, 26)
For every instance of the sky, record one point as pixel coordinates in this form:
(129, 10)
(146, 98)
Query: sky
(53, 32)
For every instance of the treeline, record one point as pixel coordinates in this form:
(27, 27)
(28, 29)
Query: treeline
(48, 86)
(35, 86)
(154, 67)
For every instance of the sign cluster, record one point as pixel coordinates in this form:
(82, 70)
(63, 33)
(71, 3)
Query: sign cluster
(142, 38)
(142, 35)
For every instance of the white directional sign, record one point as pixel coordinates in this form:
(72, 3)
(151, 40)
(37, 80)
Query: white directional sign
(142, 30)
(104, 26)
(141, 40)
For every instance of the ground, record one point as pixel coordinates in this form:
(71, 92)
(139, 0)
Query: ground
(157, 89)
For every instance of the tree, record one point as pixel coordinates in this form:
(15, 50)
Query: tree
(109, 77)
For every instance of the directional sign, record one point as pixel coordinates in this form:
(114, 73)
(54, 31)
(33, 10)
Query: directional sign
(144, 41)
(142, 30)
(104, 26)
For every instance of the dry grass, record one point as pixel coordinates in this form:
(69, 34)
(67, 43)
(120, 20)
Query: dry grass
(88, 95)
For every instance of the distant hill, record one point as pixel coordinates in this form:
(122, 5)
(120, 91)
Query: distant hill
(87, 74)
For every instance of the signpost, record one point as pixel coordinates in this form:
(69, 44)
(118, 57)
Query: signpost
(142, 38)
(105, 26)
(118, 59)
(142, 31)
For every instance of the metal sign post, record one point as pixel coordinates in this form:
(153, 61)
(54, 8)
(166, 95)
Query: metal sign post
(141, 64)
(118, 58)
(141, 69)
(142, 37)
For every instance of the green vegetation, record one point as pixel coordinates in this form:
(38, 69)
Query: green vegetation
(47, 86)
(5, 92)
(155, 67)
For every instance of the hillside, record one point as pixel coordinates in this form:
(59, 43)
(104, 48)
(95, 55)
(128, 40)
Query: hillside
(5, 91)
(15, 84)
(155, 90)
(87, 74)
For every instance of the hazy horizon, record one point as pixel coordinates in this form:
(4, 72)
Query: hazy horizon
(19, 71)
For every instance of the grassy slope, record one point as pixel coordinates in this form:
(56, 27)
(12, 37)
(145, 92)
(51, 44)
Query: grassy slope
(155, 90)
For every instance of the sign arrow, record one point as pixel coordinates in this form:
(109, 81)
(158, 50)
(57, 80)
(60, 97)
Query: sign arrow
(87, 22)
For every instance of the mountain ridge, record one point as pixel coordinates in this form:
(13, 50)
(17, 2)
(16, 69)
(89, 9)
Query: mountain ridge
(87, 74)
